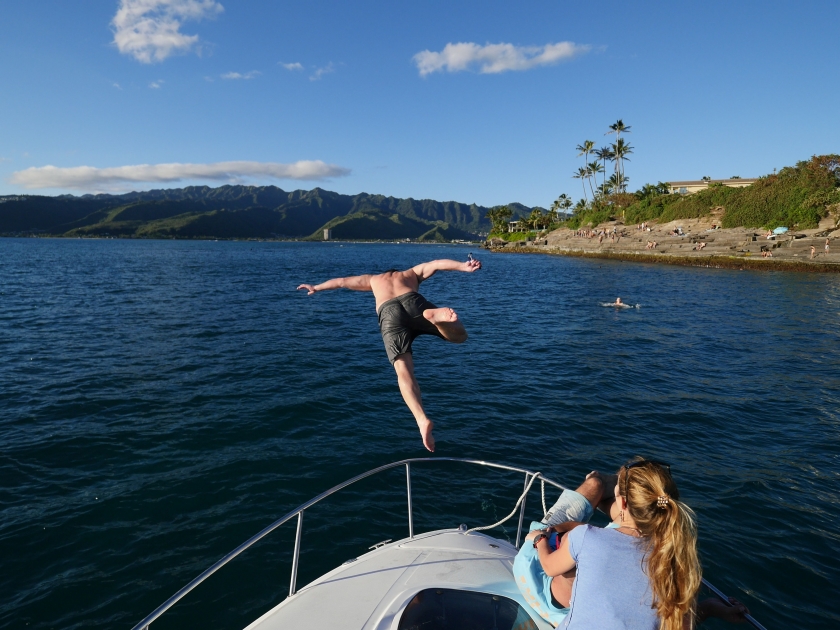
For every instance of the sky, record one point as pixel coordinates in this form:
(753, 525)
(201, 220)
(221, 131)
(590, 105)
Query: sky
(478, 102)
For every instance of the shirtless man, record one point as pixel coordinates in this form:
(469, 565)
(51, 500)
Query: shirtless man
(403, 315)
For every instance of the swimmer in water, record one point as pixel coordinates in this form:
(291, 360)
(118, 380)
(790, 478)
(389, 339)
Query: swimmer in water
(404, 314)
(618, 302)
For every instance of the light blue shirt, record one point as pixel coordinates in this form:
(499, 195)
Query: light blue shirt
(611, 591)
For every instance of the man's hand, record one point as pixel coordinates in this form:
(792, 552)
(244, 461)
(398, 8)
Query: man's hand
(309, 288)
(713, 607)
(472, 265)
(568, 526)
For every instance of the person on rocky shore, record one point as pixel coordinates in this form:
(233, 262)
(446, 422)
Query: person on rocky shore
(813, 252)
(404, 314)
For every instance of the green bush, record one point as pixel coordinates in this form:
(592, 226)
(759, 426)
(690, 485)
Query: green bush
(510, 236)
(797, 196)
(648, 208)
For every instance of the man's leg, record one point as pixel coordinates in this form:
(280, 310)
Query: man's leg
(410, 390)
(447, 322)
(597, 487)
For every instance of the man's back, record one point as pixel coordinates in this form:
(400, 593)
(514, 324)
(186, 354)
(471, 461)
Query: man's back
(386, 286)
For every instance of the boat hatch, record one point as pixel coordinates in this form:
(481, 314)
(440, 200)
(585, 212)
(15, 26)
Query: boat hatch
(446, 608)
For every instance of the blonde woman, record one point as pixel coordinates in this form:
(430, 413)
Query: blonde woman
(641, 571)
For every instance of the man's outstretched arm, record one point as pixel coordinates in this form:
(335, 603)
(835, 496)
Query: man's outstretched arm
(426, 270)
(354, 283)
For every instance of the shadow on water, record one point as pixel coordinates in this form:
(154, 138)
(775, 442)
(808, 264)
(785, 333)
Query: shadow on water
(163, 401)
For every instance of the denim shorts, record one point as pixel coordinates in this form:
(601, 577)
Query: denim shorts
(571, 506)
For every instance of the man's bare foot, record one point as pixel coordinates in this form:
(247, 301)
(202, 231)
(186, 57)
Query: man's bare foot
(426, 427)
(440, 315)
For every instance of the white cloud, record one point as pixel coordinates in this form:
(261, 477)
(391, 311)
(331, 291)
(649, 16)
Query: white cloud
(237, 75)
(117, 85)
(291, 66)
(115, 178)
(494, 58)
(149, 30)
(316, 76)
(156, 85)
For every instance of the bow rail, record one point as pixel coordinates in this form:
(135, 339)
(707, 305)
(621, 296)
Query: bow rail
(530, 478)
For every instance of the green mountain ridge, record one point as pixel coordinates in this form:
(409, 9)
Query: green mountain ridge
(359, 225)
(243, 212)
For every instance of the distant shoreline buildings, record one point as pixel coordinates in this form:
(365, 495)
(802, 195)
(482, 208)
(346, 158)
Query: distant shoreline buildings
(693, 186)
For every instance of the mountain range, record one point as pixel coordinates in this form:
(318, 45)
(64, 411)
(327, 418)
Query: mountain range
(244, 212)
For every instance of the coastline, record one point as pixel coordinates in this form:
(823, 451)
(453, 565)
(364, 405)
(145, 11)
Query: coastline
(699, 244)
(710, 262)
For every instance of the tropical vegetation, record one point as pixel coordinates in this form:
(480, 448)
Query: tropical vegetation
(795, 197)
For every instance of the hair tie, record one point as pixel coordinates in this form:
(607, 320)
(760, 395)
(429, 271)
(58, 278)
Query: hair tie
(662, 501)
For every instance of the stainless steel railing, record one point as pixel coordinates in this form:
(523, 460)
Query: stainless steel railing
(299, 511)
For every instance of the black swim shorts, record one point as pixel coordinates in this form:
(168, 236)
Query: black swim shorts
(401, 321)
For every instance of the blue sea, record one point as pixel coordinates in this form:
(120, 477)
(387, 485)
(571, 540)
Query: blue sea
(162, 401)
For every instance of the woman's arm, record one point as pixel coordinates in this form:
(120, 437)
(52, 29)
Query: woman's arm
(354, 283)
(557, 562)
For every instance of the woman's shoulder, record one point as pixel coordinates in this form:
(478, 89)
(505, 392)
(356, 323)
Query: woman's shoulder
(595, 533)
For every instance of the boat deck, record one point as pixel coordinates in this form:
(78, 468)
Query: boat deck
(371, 591)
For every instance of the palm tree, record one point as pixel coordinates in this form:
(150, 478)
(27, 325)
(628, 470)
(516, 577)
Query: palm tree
(536, 218)
(618, 182)
(499, 218)
(582, 174)
(561, 204)
(554, 212)
(604, 154)
(648, 190)
(565, 202)
(585, 149)
(618, 128)
(621, 150)
(594, 168)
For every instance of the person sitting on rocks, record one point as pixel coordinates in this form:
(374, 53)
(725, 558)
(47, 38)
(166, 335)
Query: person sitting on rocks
(813, 252)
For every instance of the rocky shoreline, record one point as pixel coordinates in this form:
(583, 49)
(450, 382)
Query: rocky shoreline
(700, 244)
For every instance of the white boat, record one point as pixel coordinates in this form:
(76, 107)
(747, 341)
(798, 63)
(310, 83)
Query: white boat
(446, 578)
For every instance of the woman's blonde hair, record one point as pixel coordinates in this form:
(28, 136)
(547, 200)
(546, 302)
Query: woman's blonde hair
(668, 527)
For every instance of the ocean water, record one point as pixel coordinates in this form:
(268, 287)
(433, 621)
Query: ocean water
(160, 402)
